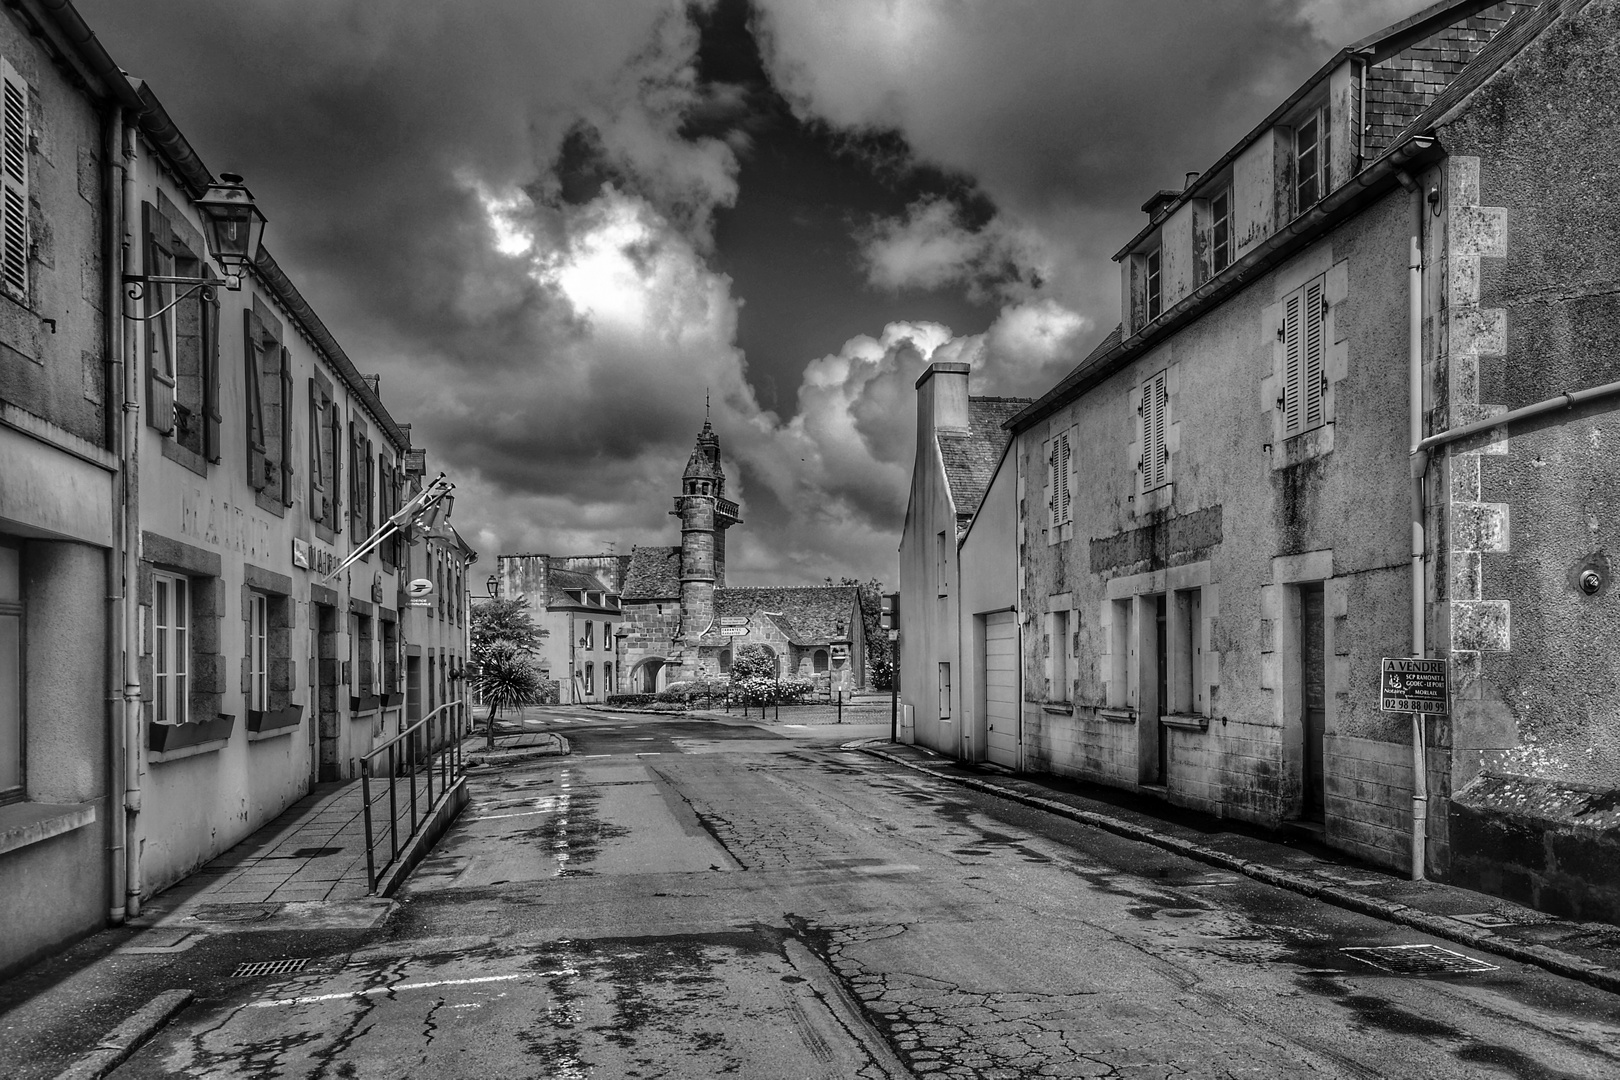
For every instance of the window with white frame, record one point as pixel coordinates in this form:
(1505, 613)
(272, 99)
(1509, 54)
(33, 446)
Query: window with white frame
(1220, 231)
(944, 691)
(607, 637)
(1155, 300)
(1304, 377)
(1154, 410)
(258, 621)
(1058, 460)
(1121, 635)
(942, 563)
(1057, 656)
(171, 648)
(607, 678)
(1312, 150)
(590, 636)
(590, 678)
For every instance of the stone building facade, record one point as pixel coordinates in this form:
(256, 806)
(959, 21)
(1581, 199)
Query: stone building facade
(680, 621)
(1361, 405)
(574, 601)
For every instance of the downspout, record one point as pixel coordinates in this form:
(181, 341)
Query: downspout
(1419, 469)
(118, 591)
(133, 741)
(1018, 619)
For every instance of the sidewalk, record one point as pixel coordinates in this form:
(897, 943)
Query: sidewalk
(511, 747)
(1586, 951)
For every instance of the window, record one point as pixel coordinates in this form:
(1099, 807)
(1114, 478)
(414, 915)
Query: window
(942, 563)
(1312, 151)
(1154, 298)
(819, 661)
(590, 678)
(322, 454)
(944, 691)
(725, 661)
(171, 648)
(390, 657)
(258, 652)
(365, 669)
(607, 637)
(1062, 510)
(1187, 693)
(1304, 382)
(1155, 405)
(387, 503)
(267, 371)
(607, 678)
(11, 672)
(1220, 215)
(1120, 640)
(1057, 656)
(363, 487)
(14, 181)
(590, 635)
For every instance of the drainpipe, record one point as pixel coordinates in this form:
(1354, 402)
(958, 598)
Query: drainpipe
(133, 741)
(1419, 468)
(117, 594)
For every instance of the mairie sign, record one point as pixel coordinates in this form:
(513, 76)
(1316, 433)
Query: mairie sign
(1411, 685)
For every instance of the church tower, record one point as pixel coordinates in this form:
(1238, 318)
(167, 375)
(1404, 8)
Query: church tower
(705, 515)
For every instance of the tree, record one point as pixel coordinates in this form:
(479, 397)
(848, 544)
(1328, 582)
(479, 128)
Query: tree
(507, 680)
(879, 649)
(754, 662)
(504, 620)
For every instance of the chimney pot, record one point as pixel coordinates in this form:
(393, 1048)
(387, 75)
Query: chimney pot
(1192, 178)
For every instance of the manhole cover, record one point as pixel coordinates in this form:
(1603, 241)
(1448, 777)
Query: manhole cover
(1418, 960)
(234, 912)
(269, 967)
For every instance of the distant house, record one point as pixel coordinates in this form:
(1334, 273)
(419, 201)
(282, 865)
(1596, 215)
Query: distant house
(574, 600)
(958, 586)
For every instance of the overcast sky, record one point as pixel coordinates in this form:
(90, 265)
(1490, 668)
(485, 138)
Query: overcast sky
(551, 227)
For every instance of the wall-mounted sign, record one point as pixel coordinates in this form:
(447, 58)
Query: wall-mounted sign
(734, 631)
(1412, 685)
(301, 554)
(421, 603)
(734, 620)
(419, 587)
(376, 587)
(307, 556)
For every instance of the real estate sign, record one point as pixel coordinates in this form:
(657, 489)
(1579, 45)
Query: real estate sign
(1412, 685)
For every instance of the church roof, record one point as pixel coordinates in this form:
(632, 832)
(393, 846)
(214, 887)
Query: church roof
(809, 615)
(971, 456)
(654, 574)
(705, 460)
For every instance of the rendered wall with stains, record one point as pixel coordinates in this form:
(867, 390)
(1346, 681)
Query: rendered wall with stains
(1529, 208)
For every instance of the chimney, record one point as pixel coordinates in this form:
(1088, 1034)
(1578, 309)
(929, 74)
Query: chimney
(942, 397)
(1192, 178)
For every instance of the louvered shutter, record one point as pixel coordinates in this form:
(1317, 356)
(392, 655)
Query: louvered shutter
(1293, 356)
(385, 498)
(14, 197)
(1052, 485)
(213, 422)
(335, 487)
(356, 513)
(252, 365)
(371, 489)
(158, 259)
(1065, 514)
(287, 471)
(317, 454)
(1161, 449)
(1311, 391)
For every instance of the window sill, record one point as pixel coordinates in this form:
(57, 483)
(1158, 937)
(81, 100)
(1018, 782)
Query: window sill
(1306, 446)
(1152, 501)
(171, 742)
(1185, 721)
(274, 722)
(26, 823)
(1063, 707)
(1118, 716)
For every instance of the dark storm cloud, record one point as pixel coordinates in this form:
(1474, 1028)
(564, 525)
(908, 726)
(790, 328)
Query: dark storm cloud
(554, 227)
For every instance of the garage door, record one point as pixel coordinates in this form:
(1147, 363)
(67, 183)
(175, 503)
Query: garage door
(1001, 688)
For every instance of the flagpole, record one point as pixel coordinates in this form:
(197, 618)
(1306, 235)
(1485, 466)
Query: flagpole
(424, 499)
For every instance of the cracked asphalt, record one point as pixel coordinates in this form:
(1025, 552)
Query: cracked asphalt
(688, 898)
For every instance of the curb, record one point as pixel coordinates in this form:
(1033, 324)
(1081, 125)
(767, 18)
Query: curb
(115, 1047)
(1549, 959)
(485, 758)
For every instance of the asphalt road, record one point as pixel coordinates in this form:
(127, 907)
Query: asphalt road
(700, 899)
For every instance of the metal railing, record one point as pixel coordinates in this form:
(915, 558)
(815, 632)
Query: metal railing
(429, 747)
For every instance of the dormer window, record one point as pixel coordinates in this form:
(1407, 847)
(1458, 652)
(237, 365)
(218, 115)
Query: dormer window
(1312, 151)
(1155, 301)
(1220, 221)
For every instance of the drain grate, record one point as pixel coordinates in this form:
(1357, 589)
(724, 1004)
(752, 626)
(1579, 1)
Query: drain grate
(270, 967)
(1418, 960)
(1485, 920)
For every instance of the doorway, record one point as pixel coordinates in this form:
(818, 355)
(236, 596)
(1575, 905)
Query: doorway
(1313, 688)
(326, 764)
(1161, 668)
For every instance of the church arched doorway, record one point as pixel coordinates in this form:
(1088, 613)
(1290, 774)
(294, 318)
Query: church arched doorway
(647, 676)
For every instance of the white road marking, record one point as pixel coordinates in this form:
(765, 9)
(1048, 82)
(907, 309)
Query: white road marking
(372, 990)
(649, 753)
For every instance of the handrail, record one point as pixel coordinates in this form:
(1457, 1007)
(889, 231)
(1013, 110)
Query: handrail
(445, 759)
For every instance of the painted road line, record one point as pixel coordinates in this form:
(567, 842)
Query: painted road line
(370, 991)
(649, 753)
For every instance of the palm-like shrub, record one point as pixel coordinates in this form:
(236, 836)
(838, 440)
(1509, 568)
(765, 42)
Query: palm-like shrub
(506, 680)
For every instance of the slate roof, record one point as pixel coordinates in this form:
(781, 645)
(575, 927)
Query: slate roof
(561, 579)
(971, 456)
(809, 615)
(654, 574)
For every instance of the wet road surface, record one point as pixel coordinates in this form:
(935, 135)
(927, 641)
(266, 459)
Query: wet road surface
(699, 899)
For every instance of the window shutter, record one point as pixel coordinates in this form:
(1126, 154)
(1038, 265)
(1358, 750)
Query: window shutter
(335, 488)
(385, 497)
(371, 489)
(317, 454)
(1311, 392)
(1064, 513)
(14, 197)
(1052, 485)
(252, 330)
(287, 498)
(160, 374)
(354, 485)
(1161, 448)
(1293, 376)
(213, 422)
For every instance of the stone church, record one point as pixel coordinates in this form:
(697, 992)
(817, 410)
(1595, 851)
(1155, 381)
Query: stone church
(680, 620)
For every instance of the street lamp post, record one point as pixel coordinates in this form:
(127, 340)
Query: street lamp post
(233, 229)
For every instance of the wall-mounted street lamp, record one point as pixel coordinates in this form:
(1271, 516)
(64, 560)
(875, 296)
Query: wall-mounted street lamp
(232, 229)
